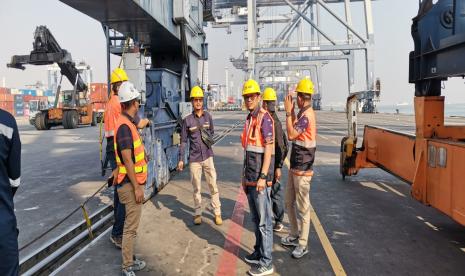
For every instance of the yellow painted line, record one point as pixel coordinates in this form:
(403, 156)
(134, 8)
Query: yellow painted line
(392, 189)
(328, 248)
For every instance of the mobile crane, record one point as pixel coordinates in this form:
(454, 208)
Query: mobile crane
(75, 108)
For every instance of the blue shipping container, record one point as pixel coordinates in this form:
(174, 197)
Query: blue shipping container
(19, 112)
(19, 98)
(48, 93)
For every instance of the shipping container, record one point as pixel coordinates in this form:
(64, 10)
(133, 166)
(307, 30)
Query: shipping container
(4, 90)
(39, 92)
(19, 112)
(15, 91)
(30, 92)
(49, 93)
(18, 98)
(8, 106)
(98, 93)
(6, 98)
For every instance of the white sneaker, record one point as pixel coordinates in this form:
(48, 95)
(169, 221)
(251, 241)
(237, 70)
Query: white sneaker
(290, 241)
(299, 252)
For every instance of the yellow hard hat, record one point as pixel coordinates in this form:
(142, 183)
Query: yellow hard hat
(196, 92)
(305, 86)
(250, 87)
(269, 94)
(118, 75)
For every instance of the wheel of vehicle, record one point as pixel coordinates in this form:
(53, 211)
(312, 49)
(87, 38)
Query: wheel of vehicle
(46, 124)
(38, 121)
(73, 119)
(70, 119)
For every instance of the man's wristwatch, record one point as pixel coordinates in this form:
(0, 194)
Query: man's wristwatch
(288, 114)
(263, 176)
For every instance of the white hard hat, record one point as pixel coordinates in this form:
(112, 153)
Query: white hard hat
(127, 92)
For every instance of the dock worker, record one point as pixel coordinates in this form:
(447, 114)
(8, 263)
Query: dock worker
(132, 173)
(301, 130)
(281, 148)
(194, 126)
(10, 172)
(257, 177)
(112, 112)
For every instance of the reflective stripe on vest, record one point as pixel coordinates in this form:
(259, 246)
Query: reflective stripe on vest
(307, 138)
(110, 133)
(140, 164)
(251, 137)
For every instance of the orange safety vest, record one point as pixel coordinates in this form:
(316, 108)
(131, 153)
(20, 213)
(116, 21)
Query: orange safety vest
(251, 137)
(307, 142)
(253, 142)
(112, 112)
(140, 163)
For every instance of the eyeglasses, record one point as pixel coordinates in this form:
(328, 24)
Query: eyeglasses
(250, 97)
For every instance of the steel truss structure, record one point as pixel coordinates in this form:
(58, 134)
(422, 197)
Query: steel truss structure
(283, 57)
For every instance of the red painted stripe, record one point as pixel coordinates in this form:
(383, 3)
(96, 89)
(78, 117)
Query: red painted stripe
(228, 260)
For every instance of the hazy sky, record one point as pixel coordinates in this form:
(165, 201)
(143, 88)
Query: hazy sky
(84, 38)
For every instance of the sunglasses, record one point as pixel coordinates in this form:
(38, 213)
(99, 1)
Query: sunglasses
(250, 97)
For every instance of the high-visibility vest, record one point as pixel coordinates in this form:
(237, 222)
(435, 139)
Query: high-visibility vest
(251, 137)
(254, 146)
(112, 112)
(304, 147)
(140, 163)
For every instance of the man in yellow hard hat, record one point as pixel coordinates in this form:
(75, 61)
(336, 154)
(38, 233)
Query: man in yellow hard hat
(301, 130)
(111, 115)
(257, 176)
(197, 128)
(281, 148)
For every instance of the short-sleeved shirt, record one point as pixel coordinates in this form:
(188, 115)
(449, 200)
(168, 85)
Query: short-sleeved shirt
(124, 138)
(253, 160)
(301, 124)
(198, 150)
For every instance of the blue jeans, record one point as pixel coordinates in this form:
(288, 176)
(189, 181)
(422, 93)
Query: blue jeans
(260, 209)
(119, 212)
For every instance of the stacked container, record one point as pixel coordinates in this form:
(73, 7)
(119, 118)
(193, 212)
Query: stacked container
(19, 105)
(6, 100)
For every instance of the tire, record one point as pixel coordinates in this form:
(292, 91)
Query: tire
(45, 124)
(70, 119)
(38, 121)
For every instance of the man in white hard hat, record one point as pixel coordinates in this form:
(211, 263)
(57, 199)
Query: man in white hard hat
(132, 173)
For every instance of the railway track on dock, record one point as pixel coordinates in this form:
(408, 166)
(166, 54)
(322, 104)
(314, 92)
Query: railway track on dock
(56, 252)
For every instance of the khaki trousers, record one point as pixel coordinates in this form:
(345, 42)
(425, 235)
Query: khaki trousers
(208, 167)
(131, 222)
(298, 202)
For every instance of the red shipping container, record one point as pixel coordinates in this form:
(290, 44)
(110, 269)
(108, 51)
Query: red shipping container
(98, 93)
(4, 90)
(6, 98)
(8, 106)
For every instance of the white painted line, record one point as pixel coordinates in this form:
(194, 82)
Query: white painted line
(420, 218)
(432, 226)
(392, 189)
(372, 185)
